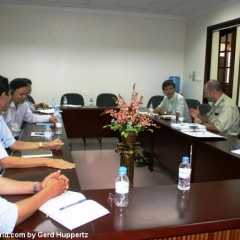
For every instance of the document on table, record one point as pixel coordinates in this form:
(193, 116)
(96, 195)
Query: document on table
(50, 110)
(165, 117)
(71, 105)
(189, 127)
(147, 113)
(203, 134)
(37, 134)
(72, 209)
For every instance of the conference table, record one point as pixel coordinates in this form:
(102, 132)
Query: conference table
(211, 159)
(210, 210)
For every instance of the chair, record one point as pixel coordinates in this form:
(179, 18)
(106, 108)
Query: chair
(204, 108)
(192, 103)
(30, 99)
(106, 100)
(73, 98)
(155, 100)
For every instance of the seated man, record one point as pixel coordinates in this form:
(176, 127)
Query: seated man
(18, 111)
(33, 106)
(224, 115)
(12, 214)
(172, 102)
(7, 140)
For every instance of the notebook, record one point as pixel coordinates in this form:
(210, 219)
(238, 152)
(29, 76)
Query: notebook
(63, 208)
(36, 153)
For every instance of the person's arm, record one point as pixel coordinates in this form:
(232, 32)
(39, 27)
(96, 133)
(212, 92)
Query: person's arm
(52, 186)
(20, 145)
(160, 111)
(14, 187)
(41, 105)
(19, 162)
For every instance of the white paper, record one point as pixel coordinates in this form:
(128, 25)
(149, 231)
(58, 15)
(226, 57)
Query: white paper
(76, 215)
(71, 105)
(188, 127)
(37, 134)
(205, 134)
(147, 113)
(50, 110)
(165, 116)
(236, 151)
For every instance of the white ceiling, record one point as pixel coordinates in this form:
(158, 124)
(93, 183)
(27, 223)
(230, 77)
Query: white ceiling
(171, 8)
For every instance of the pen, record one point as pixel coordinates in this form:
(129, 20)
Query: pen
(235, 147)
(80, 201)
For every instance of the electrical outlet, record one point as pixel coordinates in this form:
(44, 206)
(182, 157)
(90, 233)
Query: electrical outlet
(193, 75)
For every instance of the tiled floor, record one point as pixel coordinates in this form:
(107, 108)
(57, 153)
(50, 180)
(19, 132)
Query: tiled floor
(97, 166)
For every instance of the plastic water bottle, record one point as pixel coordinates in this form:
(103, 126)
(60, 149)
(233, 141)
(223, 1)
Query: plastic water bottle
(56, 111)
(65, 101)
(180, 118)
(184, 174)
(48, 133)
(59, 125)
(91, 102)
(173, 117)
(121, 188)
(53, 103)
(150, 110)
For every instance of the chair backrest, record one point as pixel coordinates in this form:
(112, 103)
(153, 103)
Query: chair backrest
(204, 108)
(30, 99)
(192, 103)
(155, 100)
(106, 100)
(73, 98)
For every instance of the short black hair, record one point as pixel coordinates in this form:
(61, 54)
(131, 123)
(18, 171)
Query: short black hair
(17, 83)
(28, 81)
(4, 85)
(167, 83)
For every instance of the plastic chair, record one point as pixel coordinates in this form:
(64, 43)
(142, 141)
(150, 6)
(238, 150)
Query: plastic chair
(204, 108)
(106, 100)
(73, 98)
(155, 100)
(192, 103)
(30, 99)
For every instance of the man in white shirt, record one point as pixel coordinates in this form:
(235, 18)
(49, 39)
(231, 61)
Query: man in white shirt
(19, 111)
(7, 140)
(12, 214)
(173, 102)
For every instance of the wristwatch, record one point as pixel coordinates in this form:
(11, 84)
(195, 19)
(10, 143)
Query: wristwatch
(35, 187)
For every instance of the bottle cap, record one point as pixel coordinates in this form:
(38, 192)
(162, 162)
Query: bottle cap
(122, 170)
(185, 159)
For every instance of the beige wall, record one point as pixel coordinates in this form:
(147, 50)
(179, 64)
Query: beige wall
(90, 53)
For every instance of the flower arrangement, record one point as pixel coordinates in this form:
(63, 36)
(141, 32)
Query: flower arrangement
(127, 119)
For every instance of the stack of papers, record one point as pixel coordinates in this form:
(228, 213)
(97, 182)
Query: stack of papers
(165, 116)
(50, 110)
(189, 127)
